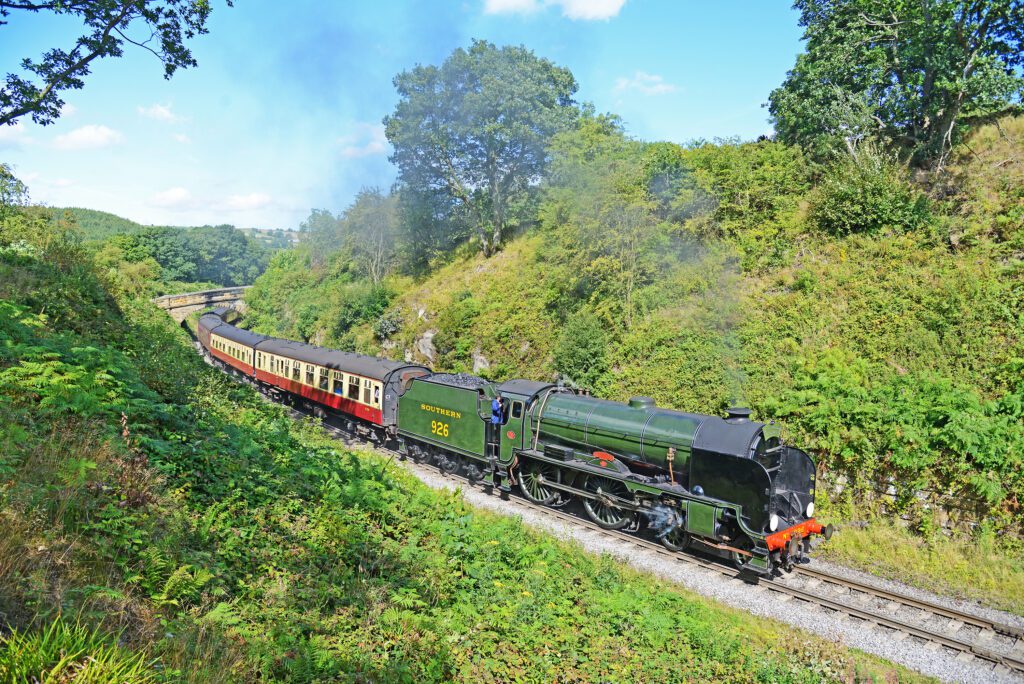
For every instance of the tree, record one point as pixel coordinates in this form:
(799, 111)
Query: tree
(600, 214)
(13, 193)
(371, 227)
(912, 73)
(226, 255)
(107, 25)
(477, 129)
(322, 234)
(430, 227)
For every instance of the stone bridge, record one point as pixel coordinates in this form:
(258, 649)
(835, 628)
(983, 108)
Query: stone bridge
(181, 305)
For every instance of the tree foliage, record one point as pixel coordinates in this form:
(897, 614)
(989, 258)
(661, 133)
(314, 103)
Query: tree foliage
(368, 232)
(13, 193)
(580, 352)
(207, 254)
(109, 24)
(912, 73)
(475, 131)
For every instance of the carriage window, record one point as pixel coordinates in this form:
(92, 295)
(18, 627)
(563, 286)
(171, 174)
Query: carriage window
(353, 387)
(296, 370)
(366, 391)
(309, 374)
(323, 378)
(517, 409)
(376, 395)
(339, 383)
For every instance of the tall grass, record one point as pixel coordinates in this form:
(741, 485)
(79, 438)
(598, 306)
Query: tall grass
(65, 652)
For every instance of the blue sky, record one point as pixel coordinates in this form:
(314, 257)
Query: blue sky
(283, 113)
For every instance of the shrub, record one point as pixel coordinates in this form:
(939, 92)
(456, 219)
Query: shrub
(865, 194)
(580, 352)
(387, 325)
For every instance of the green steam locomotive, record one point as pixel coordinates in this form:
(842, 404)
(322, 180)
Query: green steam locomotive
(728, 485)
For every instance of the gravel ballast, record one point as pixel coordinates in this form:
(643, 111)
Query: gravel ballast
(927, 658)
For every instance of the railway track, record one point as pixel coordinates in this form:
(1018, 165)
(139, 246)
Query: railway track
(966, 634)
(921, 623)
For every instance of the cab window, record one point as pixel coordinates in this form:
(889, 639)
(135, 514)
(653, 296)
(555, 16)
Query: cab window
(517, 409)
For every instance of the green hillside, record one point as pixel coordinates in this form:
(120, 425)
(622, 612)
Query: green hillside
(99, 225)
(159, 522)
(879, 320)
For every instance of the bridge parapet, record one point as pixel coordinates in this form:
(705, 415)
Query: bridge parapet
(181, 305)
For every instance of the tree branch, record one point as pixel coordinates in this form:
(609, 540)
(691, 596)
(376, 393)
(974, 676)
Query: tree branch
(69, 72)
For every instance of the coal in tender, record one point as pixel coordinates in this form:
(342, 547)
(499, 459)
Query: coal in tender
(459, 380)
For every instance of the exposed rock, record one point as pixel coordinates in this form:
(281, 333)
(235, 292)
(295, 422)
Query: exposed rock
(421, 312)
(388, 345)
(408, 355)
(480, 362)
(425, 345)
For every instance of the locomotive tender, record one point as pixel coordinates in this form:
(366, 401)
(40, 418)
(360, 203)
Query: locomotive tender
(727, 484)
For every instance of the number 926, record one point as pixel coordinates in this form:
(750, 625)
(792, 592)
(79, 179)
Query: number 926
(439, 428)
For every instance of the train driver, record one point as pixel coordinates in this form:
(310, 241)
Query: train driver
(496, 409)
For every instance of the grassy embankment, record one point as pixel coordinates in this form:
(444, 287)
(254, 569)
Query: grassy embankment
(160, 523)
(892, 348)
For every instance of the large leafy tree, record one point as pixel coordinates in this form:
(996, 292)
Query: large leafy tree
(477, 128)
(372, 226)
(160, 26)
(911, 73)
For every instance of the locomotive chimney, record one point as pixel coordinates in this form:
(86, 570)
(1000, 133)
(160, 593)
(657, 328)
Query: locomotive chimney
(736, 414)
(641, 402)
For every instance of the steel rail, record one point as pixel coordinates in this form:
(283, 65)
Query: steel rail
(921, 604)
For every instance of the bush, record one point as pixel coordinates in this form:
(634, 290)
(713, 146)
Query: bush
(866, 194)
(580, 352)
(387, 325)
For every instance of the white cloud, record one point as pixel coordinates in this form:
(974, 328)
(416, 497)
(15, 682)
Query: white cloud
(587, 10)
(510, 6)
(88, 138)
(642, 82)
(172, 198)
(590, 10)
(367, 141)
(68, 110)
(159, 112)
(252, 201)
(14, 135)
(62, 183)
(183, 139)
